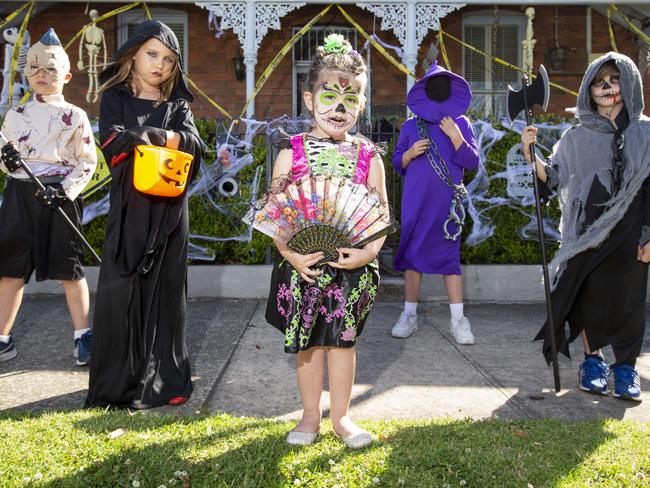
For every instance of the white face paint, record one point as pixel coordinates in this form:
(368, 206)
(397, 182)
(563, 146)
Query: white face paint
(606, 91)
(336, 104)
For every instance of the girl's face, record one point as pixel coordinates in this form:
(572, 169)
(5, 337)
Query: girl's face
(335, 103)
(606, 90)
(154, 63)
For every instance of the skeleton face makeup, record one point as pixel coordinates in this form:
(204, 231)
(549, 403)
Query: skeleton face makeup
(606, 90)
(336, 104)
(47, 61)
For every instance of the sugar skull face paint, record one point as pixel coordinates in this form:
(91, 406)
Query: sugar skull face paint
(606, 90)
(336, 105)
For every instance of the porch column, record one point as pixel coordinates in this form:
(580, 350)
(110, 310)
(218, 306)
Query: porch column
(410, 58)
(250, 56)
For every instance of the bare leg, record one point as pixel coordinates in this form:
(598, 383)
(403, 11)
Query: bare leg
(11, 296)
(454, 284)
(412, 282)
(341, 365)
(310, 368)
(77, 297)
(585, 344)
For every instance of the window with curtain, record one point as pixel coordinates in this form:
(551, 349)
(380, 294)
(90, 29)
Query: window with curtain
(498, 36)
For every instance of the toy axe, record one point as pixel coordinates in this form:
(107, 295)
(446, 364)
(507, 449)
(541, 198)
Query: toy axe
(41, 187)
(537, 93)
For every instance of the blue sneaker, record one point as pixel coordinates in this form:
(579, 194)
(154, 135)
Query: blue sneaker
(82, 348)
(627, 384)
(8, 350)
(593, 375)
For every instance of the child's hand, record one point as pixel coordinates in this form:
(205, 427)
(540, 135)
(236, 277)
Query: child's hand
(528, 137)
(302, 262)
(10, 157)
(417, 149)
(451, 130)
(355, 258)
(643, 254)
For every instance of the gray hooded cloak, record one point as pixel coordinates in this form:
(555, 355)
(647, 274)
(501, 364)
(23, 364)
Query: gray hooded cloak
(598, 284)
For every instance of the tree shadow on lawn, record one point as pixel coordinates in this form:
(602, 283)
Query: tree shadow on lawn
(225, 451)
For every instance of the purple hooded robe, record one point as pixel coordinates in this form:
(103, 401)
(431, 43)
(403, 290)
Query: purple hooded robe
(426, 198)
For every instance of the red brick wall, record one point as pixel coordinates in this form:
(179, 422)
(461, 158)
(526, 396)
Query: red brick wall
(211, 66)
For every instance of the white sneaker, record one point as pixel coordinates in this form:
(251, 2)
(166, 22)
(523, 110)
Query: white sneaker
(405, 326)
(462, 331)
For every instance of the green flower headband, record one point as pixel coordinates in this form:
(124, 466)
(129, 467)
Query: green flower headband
(335, 44)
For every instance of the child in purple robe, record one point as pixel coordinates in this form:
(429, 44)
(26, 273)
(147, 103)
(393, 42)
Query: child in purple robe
(435, 147)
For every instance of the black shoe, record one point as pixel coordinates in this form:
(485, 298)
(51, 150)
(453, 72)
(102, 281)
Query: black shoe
(8, 350)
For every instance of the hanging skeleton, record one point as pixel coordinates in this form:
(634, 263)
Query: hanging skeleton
(19, 88)
(94, 41)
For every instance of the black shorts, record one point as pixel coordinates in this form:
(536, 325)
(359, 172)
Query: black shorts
(35, 237)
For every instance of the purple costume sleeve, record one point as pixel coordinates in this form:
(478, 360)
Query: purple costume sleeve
(467, 154)
(403, 145)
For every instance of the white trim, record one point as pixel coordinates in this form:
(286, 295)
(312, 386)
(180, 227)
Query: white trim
(165, 15)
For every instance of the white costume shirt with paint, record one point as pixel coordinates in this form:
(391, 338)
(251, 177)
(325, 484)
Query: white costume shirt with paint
(54, 138)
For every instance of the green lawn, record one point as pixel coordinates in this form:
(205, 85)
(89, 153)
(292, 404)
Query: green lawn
(77, 450)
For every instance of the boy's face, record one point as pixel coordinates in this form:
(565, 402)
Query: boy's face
(336, 103)
(45, 81)
(606, 90)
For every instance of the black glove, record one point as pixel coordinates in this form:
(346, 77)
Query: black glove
(53, 196)
(11, 157)
(122, 143)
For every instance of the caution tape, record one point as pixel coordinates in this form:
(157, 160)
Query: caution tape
(13, 14)
(376, 45)
(15, 52)
(505, 63)
(642, 35)
(146, 10)
(207, 97)
(612, 38)
(443, 49)
(280, 56)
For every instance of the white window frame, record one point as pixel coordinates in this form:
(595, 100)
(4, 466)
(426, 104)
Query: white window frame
(486, 18)
(165, 15)
(303, 66)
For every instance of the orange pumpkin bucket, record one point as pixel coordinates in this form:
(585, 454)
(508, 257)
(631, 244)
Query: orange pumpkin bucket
(160, 171)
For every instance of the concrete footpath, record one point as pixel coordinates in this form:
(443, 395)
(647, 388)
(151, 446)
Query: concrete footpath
(239, 366)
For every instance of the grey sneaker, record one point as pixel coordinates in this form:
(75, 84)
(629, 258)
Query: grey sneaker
(8, 350)
(462, 331)
(405, 326)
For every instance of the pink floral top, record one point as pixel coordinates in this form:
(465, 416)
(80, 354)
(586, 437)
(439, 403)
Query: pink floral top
(322, 157)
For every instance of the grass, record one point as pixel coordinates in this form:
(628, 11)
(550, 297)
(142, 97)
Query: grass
(75, 449)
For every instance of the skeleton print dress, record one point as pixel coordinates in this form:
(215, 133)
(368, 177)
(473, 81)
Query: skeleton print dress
(333, 310)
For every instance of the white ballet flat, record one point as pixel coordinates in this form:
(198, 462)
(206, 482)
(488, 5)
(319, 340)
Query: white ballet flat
(358, 441)
(301, 438)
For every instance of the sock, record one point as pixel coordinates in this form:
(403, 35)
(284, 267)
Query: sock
(411, 308)
(456, 310)
(5, 339)
(79, 333)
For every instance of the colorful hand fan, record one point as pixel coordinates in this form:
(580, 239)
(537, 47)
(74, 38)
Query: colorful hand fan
(319, 213)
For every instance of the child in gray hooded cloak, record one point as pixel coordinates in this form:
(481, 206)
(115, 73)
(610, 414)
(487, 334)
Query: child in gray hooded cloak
(599, 170)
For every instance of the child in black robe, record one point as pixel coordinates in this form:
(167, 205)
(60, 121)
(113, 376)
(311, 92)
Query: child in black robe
(139, 354)
(600, 169)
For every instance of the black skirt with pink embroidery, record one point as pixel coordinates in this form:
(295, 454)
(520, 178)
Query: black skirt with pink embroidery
(330, 312)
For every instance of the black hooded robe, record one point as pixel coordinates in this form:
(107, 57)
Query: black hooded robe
(139, 358)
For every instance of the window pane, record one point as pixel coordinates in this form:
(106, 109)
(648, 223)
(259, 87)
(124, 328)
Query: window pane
(507, 48)
(475, 64)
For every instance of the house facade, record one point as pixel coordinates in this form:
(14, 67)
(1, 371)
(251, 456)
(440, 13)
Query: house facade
(228, 45)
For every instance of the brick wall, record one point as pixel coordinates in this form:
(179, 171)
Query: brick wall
(211, 65)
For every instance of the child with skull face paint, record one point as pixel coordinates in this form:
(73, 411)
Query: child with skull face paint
(55, 140)
(139, 357)
(322, 310)
(434, 149)
(600, 170)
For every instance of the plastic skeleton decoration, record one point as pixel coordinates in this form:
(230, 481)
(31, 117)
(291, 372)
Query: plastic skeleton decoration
(19, 88)
(94, 41)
